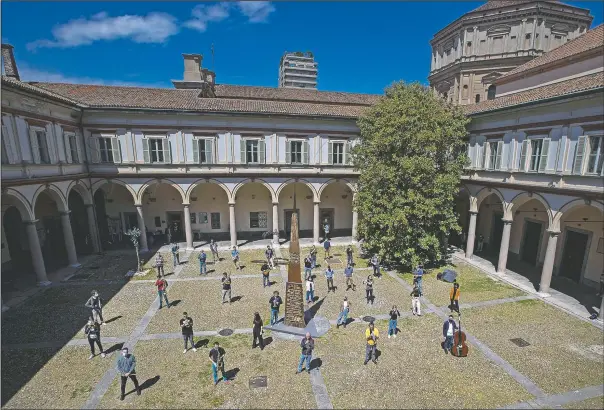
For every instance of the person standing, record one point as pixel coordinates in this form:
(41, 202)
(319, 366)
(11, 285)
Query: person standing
(349, 255)
(186, 325)
(480, 243)
(415, 303)
(329, 276)
(275, 302)
(126, 367)
(454, 296)
(313, 256)
(214, 250)
(394, 315)
(258, 329)
(371, 335)
(419, 277)
(326, 229)
(375, 262)
(203, 270)
(93, 333)
(270, 255)
(162, 290)
(307, 268)
(265, 269)
(235, 257)
(349, 282)
(307, 344)
(95, 304)
(159, 264)
(217, 354)
(369, 289)
(327, 247)
(310, 291)
(226, 287)
(175, 254)
(343, 316)
(449, 328)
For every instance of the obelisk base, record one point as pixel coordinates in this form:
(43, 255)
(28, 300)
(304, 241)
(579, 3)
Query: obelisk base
(294, 305)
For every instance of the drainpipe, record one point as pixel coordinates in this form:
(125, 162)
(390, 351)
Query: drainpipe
(98, 234)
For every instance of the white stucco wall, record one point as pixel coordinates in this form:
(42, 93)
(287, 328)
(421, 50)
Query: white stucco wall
(331, 197)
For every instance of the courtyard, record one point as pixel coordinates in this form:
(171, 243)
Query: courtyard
(44, 353)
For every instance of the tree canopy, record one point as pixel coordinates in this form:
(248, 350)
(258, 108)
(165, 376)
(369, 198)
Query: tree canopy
(410, 157)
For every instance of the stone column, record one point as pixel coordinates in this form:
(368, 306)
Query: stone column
(601, 314)
(355, 222)
(36, 252)
(315, 223)
(143, 229)
(505, 244)
(276, 223)
(94, 235)
(548, 263)
(188, 230)
(471, 235)
(232, 224)
(72, 256)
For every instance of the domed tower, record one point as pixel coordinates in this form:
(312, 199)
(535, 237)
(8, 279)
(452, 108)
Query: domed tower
(482, 45)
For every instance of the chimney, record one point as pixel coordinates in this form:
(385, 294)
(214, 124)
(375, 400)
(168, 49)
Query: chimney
(196, 77)
(8, 59)
(193, 67)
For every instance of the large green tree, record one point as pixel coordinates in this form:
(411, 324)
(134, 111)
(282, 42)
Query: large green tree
(410, 158)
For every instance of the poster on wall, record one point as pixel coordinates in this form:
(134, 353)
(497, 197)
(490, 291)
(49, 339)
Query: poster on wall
(193, 218)
(203, 217)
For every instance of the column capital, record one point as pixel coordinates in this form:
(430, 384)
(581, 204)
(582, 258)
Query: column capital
(275, 203)
(232, 203)
(186, 205)
(62, 213)
(474, 212)
(553, 233)
(507, 221)
(88, 205)
(138, 205)
(32, 222)
(316, 202)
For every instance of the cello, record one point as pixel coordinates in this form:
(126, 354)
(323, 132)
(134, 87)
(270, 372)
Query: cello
(460, 348)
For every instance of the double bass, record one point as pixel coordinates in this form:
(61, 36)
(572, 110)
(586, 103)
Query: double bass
(460, 348)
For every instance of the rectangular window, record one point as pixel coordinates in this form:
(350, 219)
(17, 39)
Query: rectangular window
(215, 219)
(497, 44)
(483, 47)
(203, 150)
(105, 149)
(251, 151)
(492, 159)
(73, 148)
(596, 155)
(258, 220)
(203, 218)
(296, 152)
(539, 149)
(42, 147)
(156, 150)
(337, 153)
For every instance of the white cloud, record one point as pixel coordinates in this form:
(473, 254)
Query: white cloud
(203, 14)
(152, 28)
(28, 73)
(256, 11)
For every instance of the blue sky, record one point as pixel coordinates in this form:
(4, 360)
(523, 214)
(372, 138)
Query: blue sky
(360, 46)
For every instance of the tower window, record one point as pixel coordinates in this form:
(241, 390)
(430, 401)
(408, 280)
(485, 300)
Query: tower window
(477, 99)
(491, 92)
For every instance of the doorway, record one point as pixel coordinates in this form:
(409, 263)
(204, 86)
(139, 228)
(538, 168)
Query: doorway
(174, 220)
(53, 243)
(288, 221)
(130, 220)
(573, 255)
(327, 216)
(496, 233)
(531, 241)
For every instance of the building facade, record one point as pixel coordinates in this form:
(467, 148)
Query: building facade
(473, 51)
(82, 164)
(298, 70)
(534, 188)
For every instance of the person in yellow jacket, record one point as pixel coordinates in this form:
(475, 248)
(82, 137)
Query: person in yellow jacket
(372, 335)
(454, 296)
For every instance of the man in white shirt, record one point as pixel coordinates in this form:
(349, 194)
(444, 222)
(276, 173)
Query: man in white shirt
(449, 328)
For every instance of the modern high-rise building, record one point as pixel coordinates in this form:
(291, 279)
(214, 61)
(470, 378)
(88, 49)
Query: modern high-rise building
(298, 70)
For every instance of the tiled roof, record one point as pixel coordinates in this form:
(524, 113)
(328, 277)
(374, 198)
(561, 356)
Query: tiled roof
(9, 81)
(495, 4)
(572, 86)
(591, 40)
(98, 96)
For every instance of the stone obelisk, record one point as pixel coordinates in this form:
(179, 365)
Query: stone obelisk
(294, 288)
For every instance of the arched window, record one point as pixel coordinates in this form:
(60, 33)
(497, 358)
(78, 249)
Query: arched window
(491, 92)
(477, 99)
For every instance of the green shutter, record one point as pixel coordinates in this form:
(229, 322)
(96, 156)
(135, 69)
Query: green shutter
(330, 152)
(261, 152)
(243, 159)
(288, 152)
(579, 155)
(146, 156)
(305, 153)
(196, 151)
(499, 155)
(166, 149)
(523, 151)
(209, 149)
(544, 152)
(115, 148)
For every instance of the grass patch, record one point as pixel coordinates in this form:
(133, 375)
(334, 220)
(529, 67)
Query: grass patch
(594, 403)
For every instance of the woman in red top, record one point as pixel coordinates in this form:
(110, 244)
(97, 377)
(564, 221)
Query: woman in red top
(162, 288)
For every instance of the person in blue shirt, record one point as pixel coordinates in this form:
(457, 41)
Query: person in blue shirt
(313, 256)
(326, 229)
(202, 263)
(327, 247)
(329, 276)
(126, 367)
(348, 275)
(175, 254)
(417, 278)
(235, 257)
(375, 262)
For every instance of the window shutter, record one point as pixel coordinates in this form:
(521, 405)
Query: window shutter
(544, 152)
(261, 152)
(330, 153)
(7, 145)
(166, 148)
(78, 138)
(95, 150)
(499, 154)
(196, 143)
(67, 145)
(35, 148)
(579, 155)
(512, 154)
(243, 156)
(146, 156)
(484, 160)
(288, 152)
(115, 148)
(348, 152)
(305, 153)
(209, 149)
(523, 153)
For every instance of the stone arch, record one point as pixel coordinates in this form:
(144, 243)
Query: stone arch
(143, 188)
(81, 189)
(302, 181)
(258, 180)
(347, 182)
(100, 183)
(55, 193)
(207, 181)
(471, 197)
(522, 198)
(567, 207)
(12, 197)
(485, 192)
